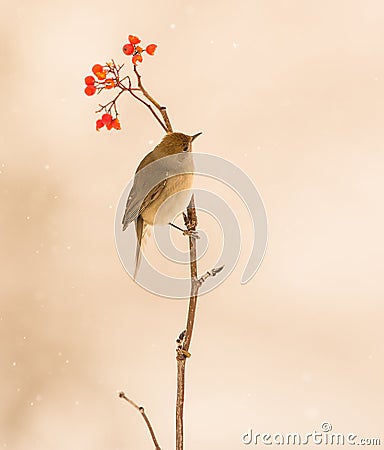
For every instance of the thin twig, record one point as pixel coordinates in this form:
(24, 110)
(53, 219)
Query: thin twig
(181, 360)
(162, 109)
(210, 273)
(145, 417)
(130, 90)
(111, 103)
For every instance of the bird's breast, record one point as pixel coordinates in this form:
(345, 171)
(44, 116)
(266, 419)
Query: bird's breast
(172, 200)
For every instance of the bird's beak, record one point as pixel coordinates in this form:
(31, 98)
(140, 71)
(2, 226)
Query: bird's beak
(195, 136)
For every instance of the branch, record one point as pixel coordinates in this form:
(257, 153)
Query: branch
(191, 223)
(184, 340)
(162, 109)
(130, 90)
(190, 220)
(145, 417)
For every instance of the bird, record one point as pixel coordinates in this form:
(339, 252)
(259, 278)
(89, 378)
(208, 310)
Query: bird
(165, 171)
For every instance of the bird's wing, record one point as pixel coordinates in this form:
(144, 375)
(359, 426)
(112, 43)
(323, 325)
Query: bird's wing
(150, 179)
(136, 204)
(140, 231)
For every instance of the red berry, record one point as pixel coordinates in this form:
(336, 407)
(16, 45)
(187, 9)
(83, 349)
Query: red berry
(90, 89)
(106, 119)
(101, 75)
(134, 39)
(97, 68)
(151, 49)
(99, 124)
(137, 58)
(116, 124)
(109, 83)
(89, 80)
(128, 49)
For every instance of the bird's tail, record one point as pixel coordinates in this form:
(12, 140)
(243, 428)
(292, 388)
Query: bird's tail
(140, 231)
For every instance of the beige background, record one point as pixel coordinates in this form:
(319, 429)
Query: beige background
(292, 92)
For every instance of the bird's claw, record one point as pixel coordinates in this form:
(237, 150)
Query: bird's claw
(191, 233)
(186, 232)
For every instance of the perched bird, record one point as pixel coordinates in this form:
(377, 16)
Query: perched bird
(165, 171)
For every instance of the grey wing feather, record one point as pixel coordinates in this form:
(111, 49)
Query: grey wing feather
(136, 205)
(131, 209)
(148, 184)
(140, 230)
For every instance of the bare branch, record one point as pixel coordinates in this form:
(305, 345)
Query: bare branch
(130, 90)
(180, 401)
(190, 220)
(145, 417)
(191, 224)
(162, 109)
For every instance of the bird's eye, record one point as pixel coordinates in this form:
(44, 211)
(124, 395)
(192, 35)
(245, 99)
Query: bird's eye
(186, 148)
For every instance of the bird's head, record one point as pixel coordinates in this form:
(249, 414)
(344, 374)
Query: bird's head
(174, 143)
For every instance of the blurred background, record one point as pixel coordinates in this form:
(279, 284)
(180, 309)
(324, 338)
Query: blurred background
(290, 91)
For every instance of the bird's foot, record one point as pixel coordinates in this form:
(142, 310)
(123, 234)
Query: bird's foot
(189, 233)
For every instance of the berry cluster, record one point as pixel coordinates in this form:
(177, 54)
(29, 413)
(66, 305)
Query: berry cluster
(108, 77)
(132, 48)
(108, 121)
(102, 82)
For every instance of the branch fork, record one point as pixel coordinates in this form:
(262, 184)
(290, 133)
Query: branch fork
(152, 105)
